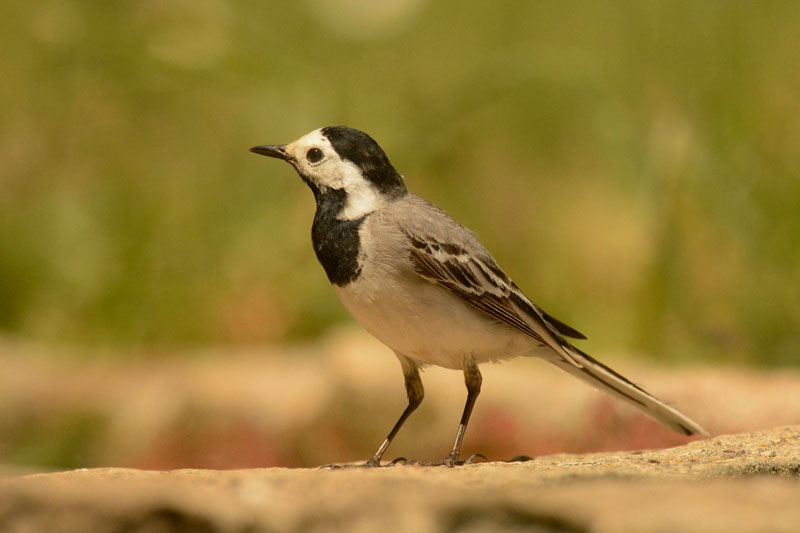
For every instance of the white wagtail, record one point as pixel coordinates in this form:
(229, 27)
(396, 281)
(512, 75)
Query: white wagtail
(424, 285)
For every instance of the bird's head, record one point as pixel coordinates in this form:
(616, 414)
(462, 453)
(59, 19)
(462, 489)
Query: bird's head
(338, 159)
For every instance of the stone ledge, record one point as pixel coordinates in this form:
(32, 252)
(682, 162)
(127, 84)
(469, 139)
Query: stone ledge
(743, 482)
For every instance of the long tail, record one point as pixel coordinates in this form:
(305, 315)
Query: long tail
(599, 375)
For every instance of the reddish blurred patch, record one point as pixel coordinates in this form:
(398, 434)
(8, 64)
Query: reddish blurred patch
(609, 430)
(220, 445)
(500, 434)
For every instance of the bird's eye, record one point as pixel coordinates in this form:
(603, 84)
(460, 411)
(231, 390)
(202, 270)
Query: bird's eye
(314, 155)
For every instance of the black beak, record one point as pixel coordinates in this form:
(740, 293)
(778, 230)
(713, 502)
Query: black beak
(278, 151)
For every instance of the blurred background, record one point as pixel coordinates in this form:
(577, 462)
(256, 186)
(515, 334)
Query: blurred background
(635, 167)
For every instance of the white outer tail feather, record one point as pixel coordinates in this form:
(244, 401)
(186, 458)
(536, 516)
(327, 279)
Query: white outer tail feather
(604, 378)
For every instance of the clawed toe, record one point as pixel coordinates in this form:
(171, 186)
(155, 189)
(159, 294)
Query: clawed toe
(448, 461)
(472, 459)
(368, 464)
(338, 467)
(333, 467)
(402, 461)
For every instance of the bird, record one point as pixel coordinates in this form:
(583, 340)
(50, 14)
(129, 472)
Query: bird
(424, 285)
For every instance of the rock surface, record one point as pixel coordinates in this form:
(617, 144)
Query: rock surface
(743, 482)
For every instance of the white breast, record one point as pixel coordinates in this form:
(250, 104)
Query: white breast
(419, 319)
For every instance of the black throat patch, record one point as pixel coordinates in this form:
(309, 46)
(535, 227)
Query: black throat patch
(336, 242)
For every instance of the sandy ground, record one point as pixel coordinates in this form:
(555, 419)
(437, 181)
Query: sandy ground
(744, 482)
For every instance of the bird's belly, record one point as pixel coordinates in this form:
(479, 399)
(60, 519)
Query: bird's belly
(426, 323)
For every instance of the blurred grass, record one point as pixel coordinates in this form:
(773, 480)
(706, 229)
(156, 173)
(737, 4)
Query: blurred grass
(634, 166)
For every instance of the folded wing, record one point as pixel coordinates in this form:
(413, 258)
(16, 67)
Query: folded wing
(480, 282)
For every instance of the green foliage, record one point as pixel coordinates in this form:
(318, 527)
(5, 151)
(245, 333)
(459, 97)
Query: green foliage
(60, 441)
(634, 166)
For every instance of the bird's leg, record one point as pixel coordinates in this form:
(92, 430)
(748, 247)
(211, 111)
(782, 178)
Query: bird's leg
(473, 380)
(416, 393)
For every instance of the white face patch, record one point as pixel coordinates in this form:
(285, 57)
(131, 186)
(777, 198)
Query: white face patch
(332, 172)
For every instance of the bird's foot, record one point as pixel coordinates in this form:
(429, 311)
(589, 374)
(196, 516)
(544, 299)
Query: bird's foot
(370, 463)
(448, 461)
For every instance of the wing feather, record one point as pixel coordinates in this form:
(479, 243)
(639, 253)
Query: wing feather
(481, 283)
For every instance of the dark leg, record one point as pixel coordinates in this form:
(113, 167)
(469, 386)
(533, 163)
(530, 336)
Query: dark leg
(473, 380)
(415, 393)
